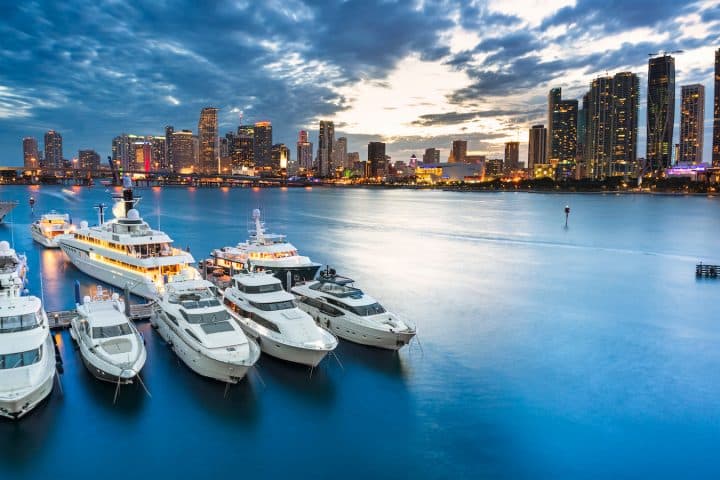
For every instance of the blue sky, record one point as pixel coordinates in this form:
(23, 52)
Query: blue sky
(416, 74)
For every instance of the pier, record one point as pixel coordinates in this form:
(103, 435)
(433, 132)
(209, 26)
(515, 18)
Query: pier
(61, 319)
(707, 271)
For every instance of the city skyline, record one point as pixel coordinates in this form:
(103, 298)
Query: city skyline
(434, 83)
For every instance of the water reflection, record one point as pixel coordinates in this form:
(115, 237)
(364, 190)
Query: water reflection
(390, 363)
(318, 388)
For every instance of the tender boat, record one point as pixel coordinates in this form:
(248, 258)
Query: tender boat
(27, 355)
(111, 347)
(202, 333)
(268, 313)
(126, 252)
(49, 227)
(264, 251)
(350, 313)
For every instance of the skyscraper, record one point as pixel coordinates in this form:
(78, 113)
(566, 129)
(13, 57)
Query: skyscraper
(89, 159)
(262, 145)
(716, 114)
(169, 161)
(244, 151)
(599, 127)
(280, 156)
(340, 153)
(31, 155)
(625, 106)
(431, 155)
(553, 123)
(562, 128)
(537, 146)
(376, 159)
(458, 151)
(326, 140)
(660, 111)
(159, 151)
(182, 151)
(209, 153)
(53, 149)
(304, 151)
(512, 156)
(692, 123)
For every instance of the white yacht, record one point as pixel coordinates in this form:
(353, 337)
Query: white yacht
(50, 225)
(10, 261)
(111, 347)
(268, 313)
(27, 355)
(265, 251)
(352, 314)
(125, 251)
(5, 207)
(202, 333)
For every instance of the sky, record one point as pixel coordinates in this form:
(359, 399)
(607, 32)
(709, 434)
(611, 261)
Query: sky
(415, 74)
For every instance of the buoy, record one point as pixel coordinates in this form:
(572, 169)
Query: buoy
(567, 214)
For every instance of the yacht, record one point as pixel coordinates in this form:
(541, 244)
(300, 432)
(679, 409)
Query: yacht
(27, 355)
(50, 225)
(350, 313)
(5, 207)
(264, 251)
(202, 333)
(268, 313)
(10, 261)
(125, 252)
(111, 347)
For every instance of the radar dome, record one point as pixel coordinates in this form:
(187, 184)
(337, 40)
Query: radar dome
(133, 214)
(256, 213)
(84, 224)
(86, 299)
(115, 296)
(4, 246)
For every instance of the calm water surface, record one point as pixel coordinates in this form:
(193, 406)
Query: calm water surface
(585, 352)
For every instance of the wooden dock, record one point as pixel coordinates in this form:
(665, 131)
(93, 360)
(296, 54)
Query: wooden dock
(708, 271)
(61, 319)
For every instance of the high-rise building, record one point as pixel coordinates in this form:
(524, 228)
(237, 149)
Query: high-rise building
(458, 151)
(716, 114)
(280, 156)
(512, 156)
(304, 151)
(143, 156)
(326, 140)
(562, 128)
(660, 112)
(354, 160)
(31, 154)
(209, 153)
(624, 126)
(340, 160)
(182, 151)
(262, 145)
(169, 161)
(244, 149)
(158, 153)
(692, 123)
(376, 160)
(53, 150)
(431, 155)
(537, 146)
(88, 159)
(599, 128)
(494, 167)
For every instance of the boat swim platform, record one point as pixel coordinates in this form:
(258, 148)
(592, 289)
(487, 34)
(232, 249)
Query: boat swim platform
(60, 319)
(708, 271)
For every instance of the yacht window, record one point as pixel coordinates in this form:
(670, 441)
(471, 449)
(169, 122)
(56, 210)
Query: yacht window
(111, 331)
(361, 310)
(189, 332)
(273, 306)
(211, 317)
(273, 287)
(216, 327)
(21, 359)
(209, 302)
(263, 322)
(16, 323)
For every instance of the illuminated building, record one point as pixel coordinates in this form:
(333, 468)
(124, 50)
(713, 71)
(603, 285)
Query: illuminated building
(280, 156)
(543, 170)
(494, 167)
(326, 139)
(716, 114)
(446, 172)
(340, 153)
(158, 153)
(304, 151)
(169, 161)
(376, 159)
(143, 157)
(458, 151)
(599, 127)
(182, 151)
(209, 153)
(432, 155)
(537, 146)
(624, 126)
(243, 156)
(53, 150)
(31, 154)
(512, 156)
(692, 124)
(354, 160)
(660, 111)
(262, 145)
(88, 159)
(562, 128)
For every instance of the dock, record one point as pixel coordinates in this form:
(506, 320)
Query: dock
(707, 271)
(61, 319)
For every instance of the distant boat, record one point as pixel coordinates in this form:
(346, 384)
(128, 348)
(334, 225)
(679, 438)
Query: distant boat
(69, 194)
(106, 183)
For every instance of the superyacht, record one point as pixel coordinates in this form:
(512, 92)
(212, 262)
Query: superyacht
(51, 225)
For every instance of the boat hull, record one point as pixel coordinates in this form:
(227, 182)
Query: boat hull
(197, 362)
(18, 407)
(283, 351)
(101, 369)
(43, 240)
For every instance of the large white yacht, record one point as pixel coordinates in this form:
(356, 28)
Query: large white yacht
(111, 347)
(5, 207)
(49, 227)
(352, 314)
(126, 252)
(27, 355)
(268, 313)
(265, 251)
(202, 333)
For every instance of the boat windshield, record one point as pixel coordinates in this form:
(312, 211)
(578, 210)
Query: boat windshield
(216, 327)
(205, 302)
(361, 310)
(8, 264)
(199, 318)
(20, 359)
(17, 323)
(273, 306)
(272, 287)
(111, 331)
(337, 289)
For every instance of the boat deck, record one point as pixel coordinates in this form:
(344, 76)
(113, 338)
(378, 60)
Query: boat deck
(61, 319)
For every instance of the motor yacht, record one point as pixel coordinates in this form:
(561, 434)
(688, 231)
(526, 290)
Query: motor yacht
(202, 333)
(46, 230)
(111, 347)
(264, 251)
(269, 314)
(336, 304)
(125, 252)
(27, 355)
(5, 207)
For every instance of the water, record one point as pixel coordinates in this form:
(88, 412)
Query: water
(546, 352)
